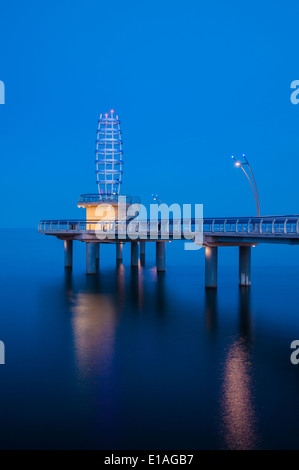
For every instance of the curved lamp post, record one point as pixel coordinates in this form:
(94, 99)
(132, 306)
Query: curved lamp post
(252, 183)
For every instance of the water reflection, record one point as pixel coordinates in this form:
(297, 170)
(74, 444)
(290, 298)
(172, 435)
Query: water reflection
(134, 287)
(211, 310)
(120, 284)
(237, 400)
(239, 417)
(94, 322)
(140, 288)
(98, 306)
(68, 283)
(115, 374)
(245, 312)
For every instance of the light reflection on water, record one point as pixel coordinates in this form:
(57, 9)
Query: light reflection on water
(237, 400)
(132, 358)
(96, 316)
(237, 395)
(93, 323)
(95, 319)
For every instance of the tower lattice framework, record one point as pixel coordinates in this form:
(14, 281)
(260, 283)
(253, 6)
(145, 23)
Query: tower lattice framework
(109, 155)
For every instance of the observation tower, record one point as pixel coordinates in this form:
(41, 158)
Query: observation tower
(109, 171)
(107, 209)
(109, 155)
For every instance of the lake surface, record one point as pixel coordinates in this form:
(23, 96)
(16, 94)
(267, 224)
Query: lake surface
(129, 359)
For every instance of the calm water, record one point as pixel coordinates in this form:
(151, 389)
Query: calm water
(128, 359)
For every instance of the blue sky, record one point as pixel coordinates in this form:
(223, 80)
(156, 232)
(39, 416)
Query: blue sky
(193, 82)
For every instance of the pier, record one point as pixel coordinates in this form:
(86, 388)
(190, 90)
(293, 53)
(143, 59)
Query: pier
(115, 218)
(217, 233)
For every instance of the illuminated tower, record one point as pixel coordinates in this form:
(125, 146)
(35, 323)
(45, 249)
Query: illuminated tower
(109, 162)
(109, 155)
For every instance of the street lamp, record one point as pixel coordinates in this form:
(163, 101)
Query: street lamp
(252, 183)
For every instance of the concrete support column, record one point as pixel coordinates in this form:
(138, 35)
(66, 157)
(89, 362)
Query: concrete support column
(244, 265)
(97, 256)
(119, 251)
(134, 254)
(211, 261)
(68, 253)
(160, 256)
(142, 252)
(91, 263)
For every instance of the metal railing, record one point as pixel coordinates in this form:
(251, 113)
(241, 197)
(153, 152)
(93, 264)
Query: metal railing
(259, 226)
(268, 225)
(109, 198)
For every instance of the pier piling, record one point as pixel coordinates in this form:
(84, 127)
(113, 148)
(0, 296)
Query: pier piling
(211, 259)
(245, 265)
(68, 253)
(97, 256)
(142, 253)
(134, 254)
(119, 251)
(160, 256)
(91, 261)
